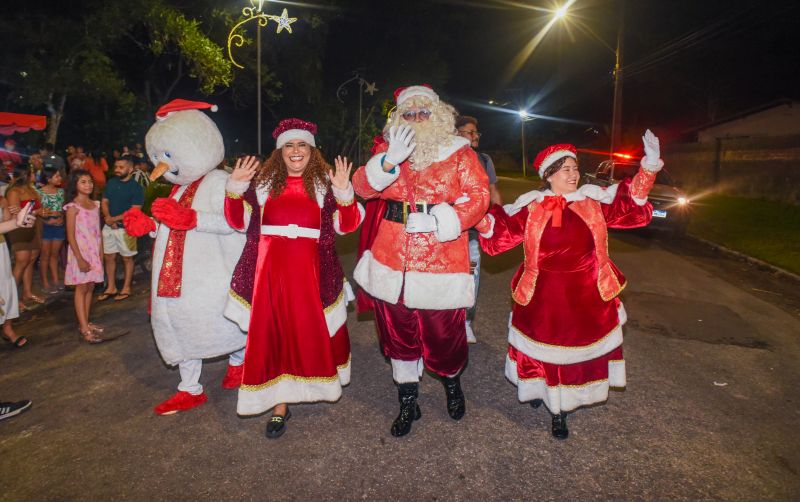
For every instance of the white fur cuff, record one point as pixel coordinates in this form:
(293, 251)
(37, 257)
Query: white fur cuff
(448, 226)
(345, 195)
(652, 168)
(489, 233)
(237, 187)
(377, 178)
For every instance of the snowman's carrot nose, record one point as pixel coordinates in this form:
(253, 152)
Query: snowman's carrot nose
(159, 170)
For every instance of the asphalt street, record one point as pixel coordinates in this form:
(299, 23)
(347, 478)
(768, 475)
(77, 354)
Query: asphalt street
(710, 412)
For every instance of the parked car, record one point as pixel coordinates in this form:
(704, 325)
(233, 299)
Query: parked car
(671, 206)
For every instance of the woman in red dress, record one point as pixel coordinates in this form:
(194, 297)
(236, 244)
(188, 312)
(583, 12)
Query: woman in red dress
(289, 275)
(565, 332)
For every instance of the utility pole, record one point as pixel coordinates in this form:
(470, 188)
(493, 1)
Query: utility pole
(616, 118)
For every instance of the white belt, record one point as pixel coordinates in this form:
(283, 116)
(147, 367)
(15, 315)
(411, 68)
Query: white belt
(291, 231)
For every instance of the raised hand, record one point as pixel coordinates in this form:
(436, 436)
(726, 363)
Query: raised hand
(245, 168)
(401, 144)
(652, 148)
(341, 178)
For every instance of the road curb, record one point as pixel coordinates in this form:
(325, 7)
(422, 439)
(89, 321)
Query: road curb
(755, 261)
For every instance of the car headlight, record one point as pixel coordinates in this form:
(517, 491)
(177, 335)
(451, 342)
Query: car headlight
(683, 201)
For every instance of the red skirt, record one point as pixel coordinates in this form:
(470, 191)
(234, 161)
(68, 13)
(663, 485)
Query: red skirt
(290, 357)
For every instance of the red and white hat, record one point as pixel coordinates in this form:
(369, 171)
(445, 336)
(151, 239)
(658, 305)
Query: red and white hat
(294, 129)
(403, 94)
(177, 105)
(552, 153)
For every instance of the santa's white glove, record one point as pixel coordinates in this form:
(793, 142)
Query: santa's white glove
(652, 148)
(401, 144)
(420, 222)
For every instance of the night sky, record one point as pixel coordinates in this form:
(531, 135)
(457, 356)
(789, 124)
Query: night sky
(687, 62)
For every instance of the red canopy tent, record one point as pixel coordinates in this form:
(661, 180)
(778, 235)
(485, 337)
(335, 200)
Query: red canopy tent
(20, 122)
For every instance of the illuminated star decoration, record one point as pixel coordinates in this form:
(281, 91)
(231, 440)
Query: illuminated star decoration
(284, 22)
(371, 89)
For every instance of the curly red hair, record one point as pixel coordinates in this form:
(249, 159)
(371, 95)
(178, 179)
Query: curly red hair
(273, 173)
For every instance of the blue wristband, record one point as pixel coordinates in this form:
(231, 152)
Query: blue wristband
(393, 168)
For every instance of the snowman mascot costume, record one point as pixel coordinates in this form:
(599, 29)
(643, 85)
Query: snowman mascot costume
(195, 251)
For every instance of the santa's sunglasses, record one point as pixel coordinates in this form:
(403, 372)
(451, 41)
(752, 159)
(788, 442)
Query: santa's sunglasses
(423, 114)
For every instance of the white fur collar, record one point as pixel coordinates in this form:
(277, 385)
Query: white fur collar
(598, 193)
(262, 193)
(456, 143)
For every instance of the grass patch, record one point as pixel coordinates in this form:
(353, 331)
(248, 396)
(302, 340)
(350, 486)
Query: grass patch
(763, 229)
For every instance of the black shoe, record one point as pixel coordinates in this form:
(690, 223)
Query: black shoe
(8, 410)
(409, 409)
(455, 397)
(536, 403)
(560, 430)
(277, 425)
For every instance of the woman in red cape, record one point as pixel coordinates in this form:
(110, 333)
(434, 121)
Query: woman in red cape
(565, 331)
(289, 276)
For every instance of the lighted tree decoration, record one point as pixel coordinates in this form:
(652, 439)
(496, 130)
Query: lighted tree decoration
(235, 39)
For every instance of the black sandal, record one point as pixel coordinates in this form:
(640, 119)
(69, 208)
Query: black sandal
(18, 342)
(277, 425)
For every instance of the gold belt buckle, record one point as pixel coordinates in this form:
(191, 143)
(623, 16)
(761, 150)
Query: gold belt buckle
(407, 205)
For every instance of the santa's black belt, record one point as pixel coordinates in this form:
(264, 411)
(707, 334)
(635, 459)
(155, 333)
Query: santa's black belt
(397, 211)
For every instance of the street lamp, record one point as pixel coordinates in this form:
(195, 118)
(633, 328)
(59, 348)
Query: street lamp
(255, 12)
(524, 116)
(616, 113)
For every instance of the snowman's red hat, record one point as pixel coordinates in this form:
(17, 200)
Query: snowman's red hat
(177, 105)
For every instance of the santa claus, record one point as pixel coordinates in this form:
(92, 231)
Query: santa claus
(195, 251)
(417, 268)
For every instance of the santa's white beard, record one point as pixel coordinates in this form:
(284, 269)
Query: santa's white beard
(429, 137)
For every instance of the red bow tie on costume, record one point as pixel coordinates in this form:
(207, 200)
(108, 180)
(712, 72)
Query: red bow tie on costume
(556, 205)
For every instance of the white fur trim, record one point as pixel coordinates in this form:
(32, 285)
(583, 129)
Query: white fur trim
(556, 354)
(349, 295)
(292, 390)
(448, 226)
(300, 134)
(406, 371)
(490, 232)
(237, 187)
(377, 178)
(426, 290)
(548, 161)
(345, 195)
(445, 151)
(337, 227)
(524, 200)
(377, 279)
(652, 168)
(237, 312)
(416, 90)
(565, 397)
(336, 315)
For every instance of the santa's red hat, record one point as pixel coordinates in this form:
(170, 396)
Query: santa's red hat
(177, 105)
(294, 129)
(403, 94)
(551, 154)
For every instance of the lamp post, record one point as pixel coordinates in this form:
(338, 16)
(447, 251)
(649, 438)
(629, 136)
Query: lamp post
(523, 117)
(255, 12)
(363, 87)
(616, 113)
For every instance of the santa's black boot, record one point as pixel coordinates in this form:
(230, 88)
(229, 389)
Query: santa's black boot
(409, 409)
(455, 397)
(560, 430)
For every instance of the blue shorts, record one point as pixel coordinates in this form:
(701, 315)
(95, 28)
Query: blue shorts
(53, 232)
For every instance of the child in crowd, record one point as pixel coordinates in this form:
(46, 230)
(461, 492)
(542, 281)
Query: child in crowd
(9, 306)
(53, 232)
(85, 255)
